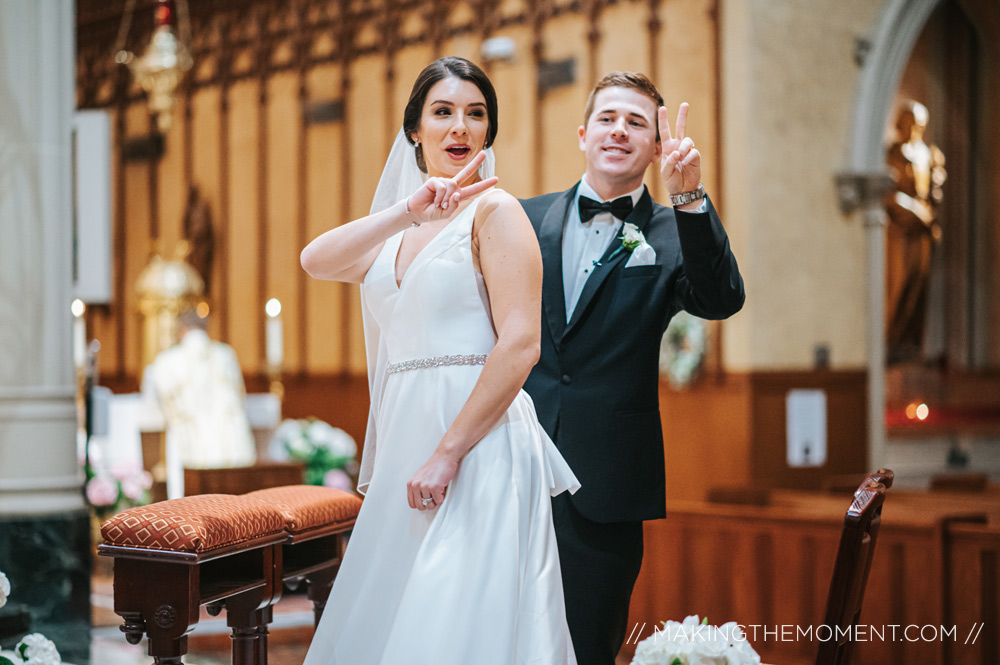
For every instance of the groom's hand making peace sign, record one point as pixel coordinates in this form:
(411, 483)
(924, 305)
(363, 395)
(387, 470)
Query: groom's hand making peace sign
(680, 161)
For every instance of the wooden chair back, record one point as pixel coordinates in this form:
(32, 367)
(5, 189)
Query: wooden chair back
(850, 571)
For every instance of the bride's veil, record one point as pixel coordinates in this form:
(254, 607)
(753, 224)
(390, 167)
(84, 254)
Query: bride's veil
(400, 178)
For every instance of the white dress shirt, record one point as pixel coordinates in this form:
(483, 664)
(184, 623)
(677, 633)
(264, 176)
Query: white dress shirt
(584, 244)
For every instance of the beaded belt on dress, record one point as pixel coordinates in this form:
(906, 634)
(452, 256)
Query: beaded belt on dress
(438, 361)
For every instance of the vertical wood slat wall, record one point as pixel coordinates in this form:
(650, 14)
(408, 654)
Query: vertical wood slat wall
(273, 179)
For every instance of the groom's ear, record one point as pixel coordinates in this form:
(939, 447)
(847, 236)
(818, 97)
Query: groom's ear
(581, 133)
(657, 152)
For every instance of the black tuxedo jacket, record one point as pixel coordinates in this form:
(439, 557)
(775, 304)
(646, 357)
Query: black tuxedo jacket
(596, 385)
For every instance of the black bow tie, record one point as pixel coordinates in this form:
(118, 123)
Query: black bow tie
(620, 207)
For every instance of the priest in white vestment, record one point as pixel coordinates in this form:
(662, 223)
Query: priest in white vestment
(199, 386)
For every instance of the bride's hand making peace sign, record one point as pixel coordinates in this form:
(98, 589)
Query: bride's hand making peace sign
(438, 198)
(680, 162)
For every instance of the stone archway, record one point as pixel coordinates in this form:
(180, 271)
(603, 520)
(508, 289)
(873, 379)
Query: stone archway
(865, 180)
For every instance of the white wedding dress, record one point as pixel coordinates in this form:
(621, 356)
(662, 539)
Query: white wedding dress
(475, 581)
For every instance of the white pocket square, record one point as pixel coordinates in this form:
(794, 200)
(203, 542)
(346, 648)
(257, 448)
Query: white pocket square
(643, 255)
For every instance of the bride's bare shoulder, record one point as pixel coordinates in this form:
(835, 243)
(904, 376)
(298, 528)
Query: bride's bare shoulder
(498, 206)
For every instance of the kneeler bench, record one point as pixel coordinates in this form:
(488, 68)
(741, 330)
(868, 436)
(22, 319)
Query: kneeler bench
(222, 551)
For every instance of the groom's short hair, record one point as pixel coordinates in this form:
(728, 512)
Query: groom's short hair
(633, 80)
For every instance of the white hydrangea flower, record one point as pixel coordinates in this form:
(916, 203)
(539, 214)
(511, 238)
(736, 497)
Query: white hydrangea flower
(334, 439)
(4, 589)
(38, 650)
(692, 642)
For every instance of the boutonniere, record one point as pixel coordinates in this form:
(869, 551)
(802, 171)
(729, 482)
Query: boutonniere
(631, 238)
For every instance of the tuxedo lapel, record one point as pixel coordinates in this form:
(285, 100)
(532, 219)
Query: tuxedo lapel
(550, 235)
(640, 217)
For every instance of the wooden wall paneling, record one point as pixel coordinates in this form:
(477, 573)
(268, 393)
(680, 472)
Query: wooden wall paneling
(366, 157)
(410, 61)
(715, 16)
(771, 566)
(283, 214)
(536, 21)
(706, 436)
(208, 172)
(243, 232)
(346, 35)
(153, 190)
(436, 13)
(515, 144)
(846, 433)
(974, 553)
(138, 245)
(171, 198)
(625, 42)
(589, 65)
(921, 602)
(461, 39)
(263, 66)
(187, 140)
(794, 584)
(659, 588)
(390, 29)
(561, 109)
(302, 48)
(222, 220)
(339, 399)
(687, 72)
(325, 328)
(654, 29)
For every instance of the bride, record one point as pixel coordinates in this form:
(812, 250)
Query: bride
(453, 559)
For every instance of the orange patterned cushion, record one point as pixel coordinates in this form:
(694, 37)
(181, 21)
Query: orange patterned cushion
(193, 524)
(307, 507)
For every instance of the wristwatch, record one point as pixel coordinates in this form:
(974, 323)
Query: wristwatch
(688, 197)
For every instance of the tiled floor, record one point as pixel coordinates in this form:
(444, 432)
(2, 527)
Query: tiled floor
(209, 644)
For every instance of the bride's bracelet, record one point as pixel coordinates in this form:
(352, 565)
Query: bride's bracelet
(406, 207)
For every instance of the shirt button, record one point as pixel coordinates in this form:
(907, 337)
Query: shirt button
(566, 379)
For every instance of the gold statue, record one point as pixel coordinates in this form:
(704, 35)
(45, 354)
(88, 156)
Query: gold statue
(166, 288)
(918, 172)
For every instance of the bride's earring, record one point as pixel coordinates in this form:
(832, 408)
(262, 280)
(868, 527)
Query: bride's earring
(419, 153)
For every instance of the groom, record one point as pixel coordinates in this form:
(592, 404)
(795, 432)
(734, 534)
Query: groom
(608, 293)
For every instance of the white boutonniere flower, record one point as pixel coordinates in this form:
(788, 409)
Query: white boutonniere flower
(631, 238)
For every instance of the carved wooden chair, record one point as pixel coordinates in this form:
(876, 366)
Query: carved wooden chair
(850, 571)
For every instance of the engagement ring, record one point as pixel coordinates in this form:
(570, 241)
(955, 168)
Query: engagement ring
(428, 500)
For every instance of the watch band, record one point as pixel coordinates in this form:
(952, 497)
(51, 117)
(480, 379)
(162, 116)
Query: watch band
(688, 197)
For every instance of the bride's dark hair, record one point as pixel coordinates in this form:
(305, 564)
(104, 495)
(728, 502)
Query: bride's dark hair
(439, 70)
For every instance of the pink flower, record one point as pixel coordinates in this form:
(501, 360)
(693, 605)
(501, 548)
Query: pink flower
(338, 480)
(134, 485)
(102, 491)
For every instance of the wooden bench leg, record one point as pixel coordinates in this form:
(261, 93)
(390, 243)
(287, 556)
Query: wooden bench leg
(266, 616)
(159, 599)
(319, 584)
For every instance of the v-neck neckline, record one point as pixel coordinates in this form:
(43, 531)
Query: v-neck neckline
(397, 280)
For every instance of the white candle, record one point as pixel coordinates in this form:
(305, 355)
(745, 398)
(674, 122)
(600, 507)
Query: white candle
(79, 333)
(274, 334)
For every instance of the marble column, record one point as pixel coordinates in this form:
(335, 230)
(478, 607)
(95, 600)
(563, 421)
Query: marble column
(44, 524)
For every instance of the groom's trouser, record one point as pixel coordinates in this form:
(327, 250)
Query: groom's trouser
(599, 563)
